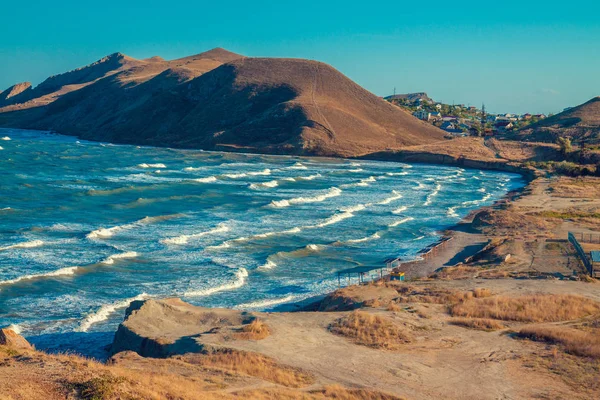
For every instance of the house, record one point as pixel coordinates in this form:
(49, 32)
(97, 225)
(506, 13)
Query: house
(435, 116)
(503, 126)
(472, 108)
(438, 106)
(422, 115)
(526, 117)
(491, 118)
(540, 116)
(449, 119)
(448, 126)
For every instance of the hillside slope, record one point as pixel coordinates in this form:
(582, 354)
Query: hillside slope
(221, 100)
(582, 121)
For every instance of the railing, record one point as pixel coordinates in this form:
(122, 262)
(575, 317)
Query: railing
(581, 253)
(587, 237)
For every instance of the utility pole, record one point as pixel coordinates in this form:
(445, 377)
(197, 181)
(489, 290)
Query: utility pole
(394, 90)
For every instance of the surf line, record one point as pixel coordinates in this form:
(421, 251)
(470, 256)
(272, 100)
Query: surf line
(66, 271)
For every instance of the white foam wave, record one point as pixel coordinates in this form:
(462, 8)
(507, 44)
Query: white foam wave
(103, 233)
(5, 138)
(365, 239)
(309, 177)
(396, 173)
(183, 239)
(421, 186)
(105, 311)
(400, 222)
(333, 192)
(298, 165)
(356, 170)
(265, 303)
(269, 184)
(59, 272)
(244, 174)
(400, 210)
(121, 256)
(451, 212)
(15, 328)
(362, 182)
(1, 148)
(396, 196)
(268, 265)
(208, 179)
(158, 165)
(239, 281)
(431, 195)
(23, 245)
(334, 219)
(193, 168)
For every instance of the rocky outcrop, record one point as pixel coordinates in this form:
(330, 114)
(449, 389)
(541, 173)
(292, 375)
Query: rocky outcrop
(11, 339)
(161, 328)
(13, 91)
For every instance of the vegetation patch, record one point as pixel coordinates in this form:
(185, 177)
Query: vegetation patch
(371, 330)
(252, 364)
(328, 392)
(255, 330)
(481, 324)
(573, 341)
(532, 308)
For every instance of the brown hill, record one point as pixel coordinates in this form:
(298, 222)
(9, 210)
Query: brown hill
(221, 100)
(13, 91)
(578, 122)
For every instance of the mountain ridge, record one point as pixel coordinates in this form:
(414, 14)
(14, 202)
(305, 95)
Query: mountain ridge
(222, 100)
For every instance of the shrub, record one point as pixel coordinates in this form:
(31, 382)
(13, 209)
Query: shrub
(371, 330)
(574, 341)
(482, 324)
(532, 308)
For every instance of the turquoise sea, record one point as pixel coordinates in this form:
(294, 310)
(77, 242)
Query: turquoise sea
(86, 227)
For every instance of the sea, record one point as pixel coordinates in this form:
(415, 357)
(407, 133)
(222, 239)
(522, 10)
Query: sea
(88, 227)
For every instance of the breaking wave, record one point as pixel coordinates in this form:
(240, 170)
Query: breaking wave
(267, 265)
(396, 196)
(333, 192)
(400, 222)
(400, 210)
(208, 179)
(59, 272)
(121, 256)
(362, 182)
(23, 245)
(105, 311)
(270, 184)
(239, 281)
(365, 239)
(244, 174)
(103, 233)
(298, 165)
(183, 239)
(266, 302)
(431, 195)
(159, 165)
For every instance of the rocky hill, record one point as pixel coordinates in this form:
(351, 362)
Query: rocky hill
(411, 97)
(218, 100)
(582, 121)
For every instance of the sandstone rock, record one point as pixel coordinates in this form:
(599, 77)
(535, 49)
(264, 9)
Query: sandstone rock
(161, 328)
(10, 338)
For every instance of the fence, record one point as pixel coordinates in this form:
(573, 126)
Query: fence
(581, 253)
(587, 237)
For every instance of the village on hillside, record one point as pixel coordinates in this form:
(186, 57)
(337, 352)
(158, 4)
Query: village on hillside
(461, 120)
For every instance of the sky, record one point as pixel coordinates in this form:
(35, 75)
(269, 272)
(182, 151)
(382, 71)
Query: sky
(514, 56)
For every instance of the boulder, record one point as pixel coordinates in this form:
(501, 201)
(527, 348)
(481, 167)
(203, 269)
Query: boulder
(11, 339)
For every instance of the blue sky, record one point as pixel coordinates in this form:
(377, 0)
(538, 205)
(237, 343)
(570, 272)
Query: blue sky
(516, 56)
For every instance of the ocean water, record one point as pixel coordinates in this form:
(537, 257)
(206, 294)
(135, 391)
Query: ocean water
(86, 227)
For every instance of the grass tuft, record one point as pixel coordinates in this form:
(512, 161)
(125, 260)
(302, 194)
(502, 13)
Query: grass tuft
(371, 330)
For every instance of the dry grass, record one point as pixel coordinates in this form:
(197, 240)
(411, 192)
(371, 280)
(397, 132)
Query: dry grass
(252, 364)
(255, 330)
(371, 330)
(574, 341)
(328, 392)
(532, 308)
(433, 295)
(481, 324)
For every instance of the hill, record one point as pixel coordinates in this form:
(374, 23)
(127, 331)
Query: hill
(411, 97)
(582, 121)
(219, 100)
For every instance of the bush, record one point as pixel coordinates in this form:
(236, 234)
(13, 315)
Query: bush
(371, 330)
